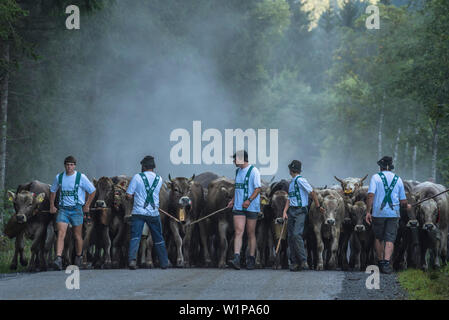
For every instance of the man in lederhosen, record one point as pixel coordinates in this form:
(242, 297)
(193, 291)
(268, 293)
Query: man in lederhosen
(145, 188)
(72, 205)
(246, 207)
(295, 212)
(385, 193)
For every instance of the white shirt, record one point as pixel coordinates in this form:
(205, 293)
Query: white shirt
(68, 184)
(137, 188)
(376, 186)
(304, 189)
(253, 183)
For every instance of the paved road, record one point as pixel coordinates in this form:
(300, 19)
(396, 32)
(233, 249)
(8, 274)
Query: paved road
(198, 284)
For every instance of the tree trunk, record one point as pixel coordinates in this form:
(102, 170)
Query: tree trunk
(396, 147)
(4, 82)
(415, 154)
(435, 151)
(381, 121)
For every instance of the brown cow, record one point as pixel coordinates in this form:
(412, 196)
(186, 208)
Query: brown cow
(29, 220)
(217, 229)
(432, 217)
(186, 200)
(326, 227)
(278, 229)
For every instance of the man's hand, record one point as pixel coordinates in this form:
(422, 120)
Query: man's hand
(246, 204)
(53, 209)
(86, 208)
(284, 215)
(368, 218)
(321, 209)
(230, 204)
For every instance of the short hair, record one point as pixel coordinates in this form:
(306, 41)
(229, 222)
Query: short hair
(70, 159)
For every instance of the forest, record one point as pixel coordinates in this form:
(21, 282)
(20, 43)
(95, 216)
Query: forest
(340, 94)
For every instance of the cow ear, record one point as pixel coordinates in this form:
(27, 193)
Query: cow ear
(168, 184)
(40, 197)
(123, 183)
(95, 181)
(11, 196)
(363, 179)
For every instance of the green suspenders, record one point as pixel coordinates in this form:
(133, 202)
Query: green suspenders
(72, 193)
(296, 193)
(244, 185)
(150, 190)
(388, 190)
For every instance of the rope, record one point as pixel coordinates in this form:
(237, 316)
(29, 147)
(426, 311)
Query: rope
(215, 212)
(280, 238)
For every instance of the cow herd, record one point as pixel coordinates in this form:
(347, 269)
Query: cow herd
(337, 239)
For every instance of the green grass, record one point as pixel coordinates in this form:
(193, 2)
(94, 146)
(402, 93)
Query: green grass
(421, 285)
(7, 252)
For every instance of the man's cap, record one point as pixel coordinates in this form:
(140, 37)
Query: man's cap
(240, 153)
(148, 162)
(70, 159)
(386, 163)
(295, 165)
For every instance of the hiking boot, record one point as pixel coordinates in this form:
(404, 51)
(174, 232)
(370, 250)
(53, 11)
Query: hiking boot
(294, 267)
(304, 266)
(235, 263)
(251, 263)
(132, 265)
(386, 267)
(78, 261)
(57, 264)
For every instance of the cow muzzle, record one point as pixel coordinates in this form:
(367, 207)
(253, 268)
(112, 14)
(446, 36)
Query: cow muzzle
(412, 224)
(185, 201)
(429, 226)
(100, 204)
(359, 228)
(21, 218)
(330, 221)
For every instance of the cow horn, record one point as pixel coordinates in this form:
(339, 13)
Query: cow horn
(272, 179)
(193, 177)
(169, 177)
(361, 180)
(339, 180)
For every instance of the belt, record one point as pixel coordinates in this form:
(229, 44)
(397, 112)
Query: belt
(69, 208)
(297, 207)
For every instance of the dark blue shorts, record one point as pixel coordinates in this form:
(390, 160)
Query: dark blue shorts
(248, 214)
(71, 215)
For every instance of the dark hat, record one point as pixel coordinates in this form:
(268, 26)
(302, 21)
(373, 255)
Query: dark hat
(70, 159)
(245, 155)
(386, 163)
(148, 162)
(295, 166)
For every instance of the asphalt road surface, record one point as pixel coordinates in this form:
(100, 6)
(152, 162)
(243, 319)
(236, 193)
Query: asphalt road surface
(198, 284)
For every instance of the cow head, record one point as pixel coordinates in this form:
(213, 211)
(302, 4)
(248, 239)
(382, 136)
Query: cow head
(350, 185)
(26, 204)
(278, 201)
(408, 214)
(122, 204)
(105, 193)
(357, 213)
(180, 197)
(330, 204)
(428, 214)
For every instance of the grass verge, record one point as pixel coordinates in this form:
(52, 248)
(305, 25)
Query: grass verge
(430, 285)
(7, 252)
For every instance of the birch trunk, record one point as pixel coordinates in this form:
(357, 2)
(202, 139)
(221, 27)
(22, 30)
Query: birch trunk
(379, 139)
(396, 147)
(4, 82)
(435, 151)
(415, 154)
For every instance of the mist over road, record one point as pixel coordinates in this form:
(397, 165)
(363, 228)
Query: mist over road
(199, 284)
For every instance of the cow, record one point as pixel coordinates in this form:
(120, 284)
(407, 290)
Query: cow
(350, 185)
(407, 248)
(362, 239)
(432, 216)
(278, 229)
(185, 201)
(32, 220)
(326, 227)
(204, 179)
(216, 231)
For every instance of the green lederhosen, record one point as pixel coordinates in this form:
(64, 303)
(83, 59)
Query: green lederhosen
(388, 190)
(149, 199)
(73, 193)
(244, 185)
